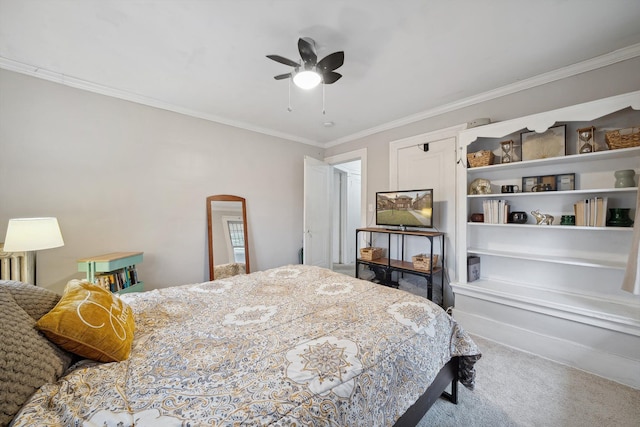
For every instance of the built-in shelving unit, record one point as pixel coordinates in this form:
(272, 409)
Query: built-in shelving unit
(541, 281)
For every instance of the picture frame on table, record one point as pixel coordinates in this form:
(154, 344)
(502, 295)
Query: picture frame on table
(566, 182)
(539, 183)
(550, 143)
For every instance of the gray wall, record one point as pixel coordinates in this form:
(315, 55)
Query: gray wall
(120, 176)
(125, 177)
(607, 81)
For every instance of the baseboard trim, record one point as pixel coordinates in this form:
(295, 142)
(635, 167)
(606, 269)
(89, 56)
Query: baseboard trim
(610, 366)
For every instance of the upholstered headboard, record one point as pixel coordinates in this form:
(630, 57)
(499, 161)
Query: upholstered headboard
(19, 266)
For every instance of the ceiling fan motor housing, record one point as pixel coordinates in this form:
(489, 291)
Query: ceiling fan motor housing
(309, 62)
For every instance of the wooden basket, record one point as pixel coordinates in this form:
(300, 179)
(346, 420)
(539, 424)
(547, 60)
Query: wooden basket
(480, 158)
(423, 263)
(369, 254)
(623, 138)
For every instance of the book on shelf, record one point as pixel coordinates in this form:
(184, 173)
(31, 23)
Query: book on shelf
(117, 280)
(495, 211)
(591, 212)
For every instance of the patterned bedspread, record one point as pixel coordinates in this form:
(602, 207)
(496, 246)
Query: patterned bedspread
(295, 345)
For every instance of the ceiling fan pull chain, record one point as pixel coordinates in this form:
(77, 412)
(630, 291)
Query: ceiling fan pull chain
(323, 111)
(289, 109)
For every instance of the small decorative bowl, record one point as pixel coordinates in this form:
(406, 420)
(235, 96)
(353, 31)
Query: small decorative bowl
(477, 217)
(518, 217)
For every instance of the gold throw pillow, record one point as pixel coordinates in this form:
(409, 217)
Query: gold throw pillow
(90, 322)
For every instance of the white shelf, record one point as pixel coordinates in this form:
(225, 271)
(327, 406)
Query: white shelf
(555, 193)
(573, 159)
(607, 313)
(551, 227)
(583, 257)
(583, 262)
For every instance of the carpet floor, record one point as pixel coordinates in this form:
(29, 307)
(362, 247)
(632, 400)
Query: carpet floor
(515, 388)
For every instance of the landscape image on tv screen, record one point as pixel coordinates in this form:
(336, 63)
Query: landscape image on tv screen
(405, 208)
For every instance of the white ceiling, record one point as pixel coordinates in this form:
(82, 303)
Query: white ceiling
(404, 59)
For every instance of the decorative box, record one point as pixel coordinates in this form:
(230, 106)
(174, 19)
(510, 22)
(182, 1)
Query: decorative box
(473, 268)
(480, 158)
(623, 138)
(422, 262)
(369, 254)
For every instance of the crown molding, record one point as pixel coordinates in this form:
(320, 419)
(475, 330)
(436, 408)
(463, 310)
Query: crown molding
(34, 71)
(611, 58)
(614, 57)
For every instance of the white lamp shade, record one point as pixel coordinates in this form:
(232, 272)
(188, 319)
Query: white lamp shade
(307, 79)
(32, 234)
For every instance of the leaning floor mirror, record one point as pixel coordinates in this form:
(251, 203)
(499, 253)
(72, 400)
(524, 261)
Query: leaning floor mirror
(228, 241)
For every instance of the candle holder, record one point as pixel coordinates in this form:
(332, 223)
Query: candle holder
(619, 217)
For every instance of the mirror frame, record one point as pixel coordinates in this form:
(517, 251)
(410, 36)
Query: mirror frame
(226, 198)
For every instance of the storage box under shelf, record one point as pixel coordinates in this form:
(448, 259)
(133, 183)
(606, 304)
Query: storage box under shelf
(371, 253)
(473, 268)
(422, 262)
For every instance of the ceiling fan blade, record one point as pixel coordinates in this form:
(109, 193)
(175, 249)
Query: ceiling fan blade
(282, 76)
(307, 49)
(283, 60)
(331, 62)
(330, 77)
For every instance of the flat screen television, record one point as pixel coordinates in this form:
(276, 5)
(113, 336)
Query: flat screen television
(413, 208)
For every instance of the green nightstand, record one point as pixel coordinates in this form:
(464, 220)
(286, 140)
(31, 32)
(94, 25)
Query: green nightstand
(116, 270)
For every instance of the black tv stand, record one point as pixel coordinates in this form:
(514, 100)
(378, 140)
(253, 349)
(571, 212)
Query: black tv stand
(384, 267)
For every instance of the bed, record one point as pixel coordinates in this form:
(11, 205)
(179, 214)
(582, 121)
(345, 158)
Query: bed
(295, 345)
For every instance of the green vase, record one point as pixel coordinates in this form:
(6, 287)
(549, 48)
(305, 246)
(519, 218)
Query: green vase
(619, 217)
(624, 178)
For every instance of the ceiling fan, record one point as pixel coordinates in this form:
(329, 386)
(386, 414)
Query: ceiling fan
(309, 72)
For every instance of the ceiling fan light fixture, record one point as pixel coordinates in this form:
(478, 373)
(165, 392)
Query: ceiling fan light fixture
(307, 79)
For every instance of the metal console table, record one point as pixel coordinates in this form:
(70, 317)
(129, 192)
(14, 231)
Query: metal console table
(385, 266)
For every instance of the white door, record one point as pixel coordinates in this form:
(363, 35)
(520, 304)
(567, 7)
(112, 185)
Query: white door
(318, 177)
(435, 169)
(413, 167)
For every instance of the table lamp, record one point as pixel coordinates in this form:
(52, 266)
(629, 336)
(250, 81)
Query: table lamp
(32, 234)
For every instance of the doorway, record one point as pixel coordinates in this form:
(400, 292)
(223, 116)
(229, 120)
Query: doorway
(348, 213)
